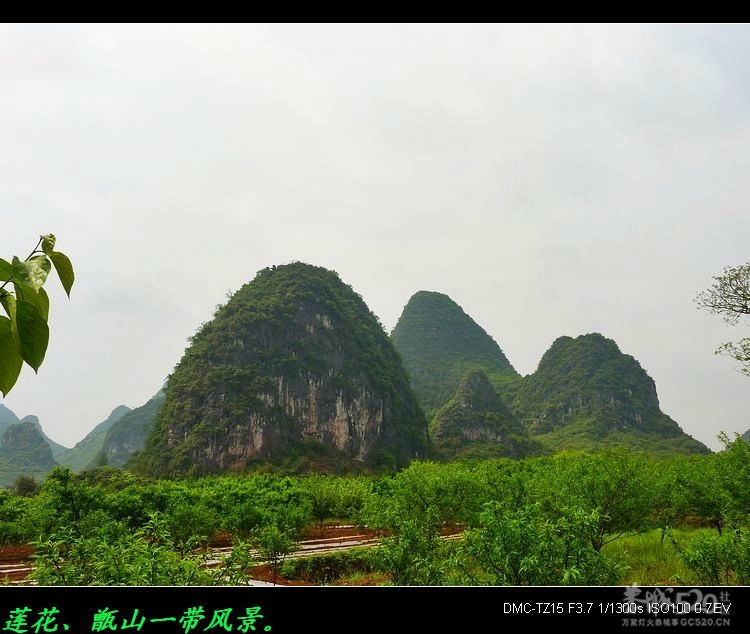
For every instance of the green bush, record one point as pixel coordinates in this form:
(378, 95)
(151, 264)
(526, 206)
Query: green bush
(718, 559)
(325, 569)
(524, 548)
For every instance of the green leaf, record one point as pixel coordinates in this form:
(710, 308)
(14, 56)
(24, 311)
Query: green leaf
(64, 269)
(48, 243)
(10, 359)
(43, 303)
(33, 333)
(33, 272)
(6, 270)
(9, 303)
(39, 298)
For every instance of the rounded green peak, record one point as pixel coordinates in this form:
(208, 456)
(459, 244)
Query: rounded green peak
(588, 350)
(594, 338)
(586, 391)
(294, 359)
(427, 296)
(294, 275)
(295, 280)
(295, 266)
(589, 374)
(475, 388)
(435, 301)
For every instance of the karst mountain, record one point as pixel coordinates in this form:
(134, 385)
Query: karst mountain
(293, 367)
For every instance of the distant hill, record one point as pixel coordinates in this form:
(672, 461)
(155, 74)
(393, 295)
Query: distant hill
(56, 448)
(294, 371)
(24, 450)
(439, 343)
(475, 423)
(87, 452)
(7, 418)
(128, 434)
(587, 394)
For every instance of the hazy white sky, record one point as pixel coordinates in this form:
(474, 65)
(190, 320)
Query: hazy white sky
(551, 179)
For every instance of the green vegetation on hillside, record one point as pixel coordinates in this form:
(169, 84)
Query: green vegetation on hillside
(438, 343)
(476, 423)
(26, 452)
(587, 394)
(128, 434)
(7, 418)
(87, 452)
(23, 450)
(289, 377)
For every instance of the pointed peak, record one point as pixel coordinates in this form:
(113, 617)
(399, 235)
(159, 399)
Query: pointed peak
(438, 341)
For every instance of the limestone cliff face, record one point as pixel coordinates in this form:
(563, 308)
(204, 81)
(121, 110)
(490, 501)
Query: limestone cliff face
(295, 358)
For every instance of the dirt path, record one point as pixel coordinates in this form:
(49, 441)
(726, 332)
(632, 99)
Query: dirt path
(15, 564)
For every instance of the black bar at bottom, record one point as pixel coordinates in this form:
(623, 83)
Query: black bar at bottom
(329, 609)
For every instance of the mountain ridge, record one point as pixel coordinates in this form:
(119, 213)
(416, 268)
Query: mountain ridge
(584, 393)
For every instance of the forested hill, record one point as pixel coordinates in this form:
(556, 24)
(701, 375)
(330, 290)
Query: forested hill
(294, 365)
(476, 423)
(439, 343)
(586, 393)
(128, 434)
(24, 450)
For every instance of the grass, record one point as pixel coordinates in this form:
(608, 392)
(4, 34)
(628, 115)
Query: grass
(653, 561)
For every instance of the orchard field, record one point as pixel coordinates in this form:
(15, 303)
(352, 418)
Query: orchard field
(574, 518)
